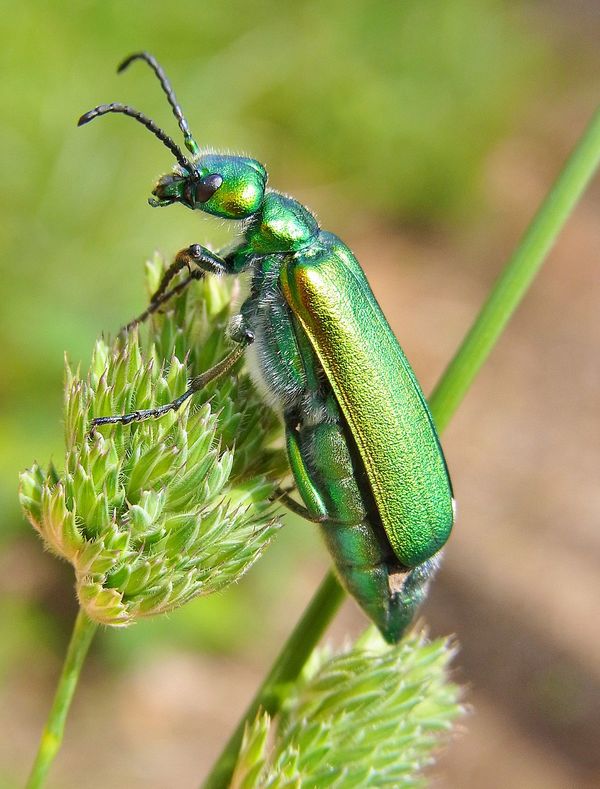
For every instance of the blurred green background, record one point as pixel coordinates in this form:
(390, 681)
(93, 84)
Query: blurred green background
(423, 132)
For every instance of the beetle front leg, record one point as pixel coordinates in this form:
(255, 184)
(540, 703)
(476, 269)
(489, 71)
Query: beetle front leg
(199, 261)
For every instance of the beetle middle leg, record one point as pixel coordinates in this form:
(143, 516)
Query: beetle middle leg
(199, 261)
(196, 384)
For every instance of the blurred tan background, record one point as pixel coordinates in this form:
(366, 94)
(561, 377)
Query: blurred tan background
(425, 134)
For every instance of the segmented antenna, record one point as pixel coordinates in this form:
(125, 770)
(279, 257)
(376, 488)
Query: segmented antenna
(125, 109)
(190, 142)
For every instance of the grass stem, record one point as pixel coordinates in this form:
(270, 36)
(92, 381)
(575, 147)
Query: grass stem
(52, 735)
(517, 275)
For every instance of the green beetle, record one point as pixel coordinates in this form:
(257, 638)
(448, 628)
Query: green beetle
(362, 446)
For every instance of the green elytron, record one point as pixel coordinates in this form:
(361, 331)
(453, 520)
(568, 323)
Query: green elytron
(362, 446)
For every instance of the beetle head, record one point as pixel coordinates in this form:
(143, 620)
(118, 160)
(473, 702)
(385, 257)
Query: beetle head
(231, 187)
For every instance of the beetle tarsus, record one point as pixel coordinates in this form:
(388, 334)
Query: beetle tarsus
(196, 384)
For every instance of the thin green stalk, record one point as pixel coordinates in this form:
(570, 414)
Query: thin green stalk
(447, 396)
(517, 274)
(51, 739)
(286, 669)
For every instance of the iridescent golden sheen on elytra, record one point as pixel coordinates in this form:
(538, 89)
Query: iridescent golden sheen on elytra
(379, 397)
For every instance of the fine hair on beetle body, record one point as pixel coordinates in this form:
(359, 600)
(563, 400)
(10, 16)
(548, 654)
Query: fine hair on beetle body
(362, 446)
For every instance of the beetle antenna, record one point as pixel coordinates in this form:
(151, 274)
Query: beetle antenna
(190, 142)
(104, 109)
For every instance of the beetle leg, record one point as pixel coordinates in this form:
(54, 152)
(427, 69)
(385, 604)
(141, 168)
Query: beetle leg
(282, 496)
(199, 261)
(155, 304)
(197, 383)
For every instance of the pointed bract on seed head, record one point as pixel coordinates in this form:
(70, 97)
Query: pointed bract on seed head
(155, 513)
(373, 716)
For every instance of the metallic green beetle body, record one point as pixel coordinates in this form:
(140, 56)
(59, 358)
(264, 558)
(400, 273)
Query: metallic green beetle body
(362, 446)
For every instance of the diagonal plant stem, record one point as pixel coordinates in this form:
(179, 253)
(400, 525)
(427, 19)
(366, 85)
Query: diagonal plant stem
(504, 298)
(517, 275)
(286, 669)
(51, 739)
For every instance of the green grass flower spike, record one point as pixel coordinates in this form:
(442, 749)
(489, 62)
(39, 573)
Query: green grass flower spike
(155, 513)
(372, 716)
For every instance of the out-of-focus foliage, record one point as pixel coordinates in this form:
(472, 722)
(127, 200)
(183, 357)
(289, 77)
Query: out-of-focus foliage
(399, 101)
(386, 106)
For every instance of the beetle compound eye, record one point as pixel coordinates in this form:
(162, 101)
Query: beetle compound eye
(189, 193)
(207, 186)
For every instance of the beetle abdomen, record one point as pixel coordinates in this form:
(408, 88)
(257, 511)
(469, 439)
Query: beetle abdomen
(334, 488)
